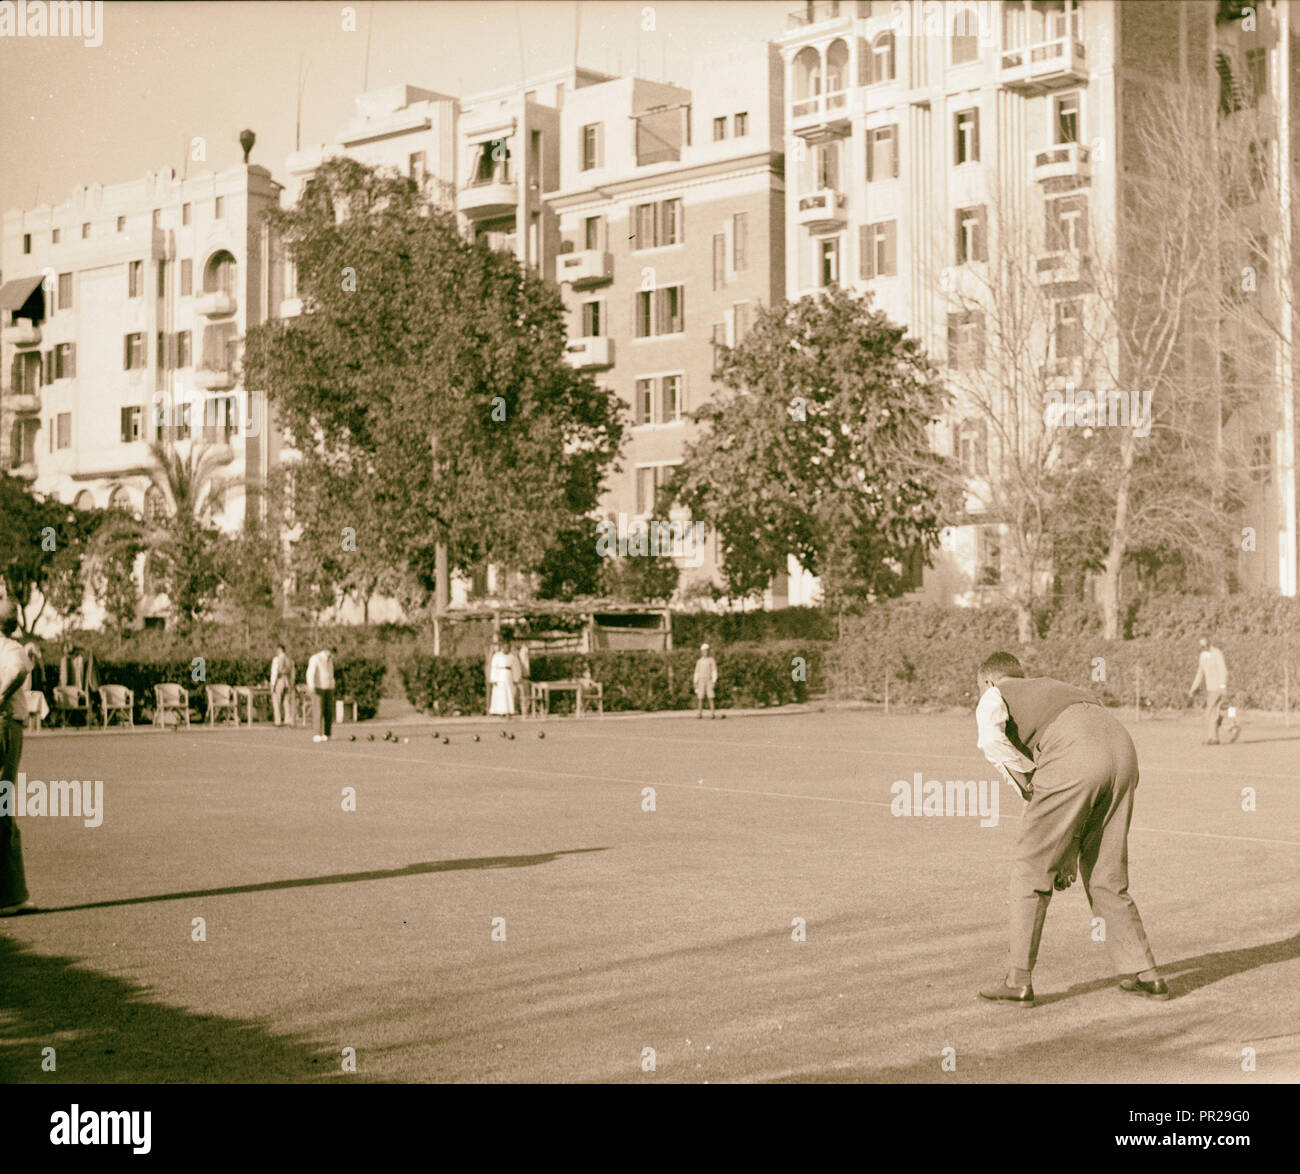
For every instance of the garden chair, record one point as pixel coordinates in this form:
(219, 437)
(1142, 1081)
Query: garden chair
(222, 698)
(170, 698)
(73, 699)
(117, 699)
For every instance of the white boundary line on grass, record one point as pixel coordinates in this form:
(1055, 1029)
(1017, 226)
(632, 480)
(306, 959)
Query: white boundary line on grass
(744, 791)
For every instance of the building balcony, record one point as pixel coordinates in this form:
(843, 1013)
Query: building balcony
(23, 333)
(489, 201)
(210, 379)
(585, 268)
(818, 12)
(824, 209)
(1061, 267)
(821, 118)
(215, 304)
(291, 307)
(1068, 161)
(27, 470)
(22, 403)
(589, 353)
(1036, 69)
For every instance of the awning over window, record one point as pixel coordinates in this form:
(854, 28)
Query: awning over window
(24, 297)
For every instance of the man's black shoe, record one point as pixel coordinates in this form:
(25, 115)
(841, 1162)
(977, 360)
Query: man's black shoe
(1157, 988)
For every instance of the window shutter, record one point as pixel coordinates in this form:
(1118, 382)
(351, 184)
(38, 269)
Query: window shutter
(126, 352)
(864, 252)
(952, 339)
(893, 147)
(981, 234)
(72, 360)
(975, 136)
(600, 144)
(891, 248)
(871, 156)
(47, 364)
(961, 241)
(126, 425)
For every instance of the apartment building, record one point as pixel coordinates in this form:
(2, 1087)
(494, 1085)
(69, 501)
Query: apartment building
(124, 307)
(916, 131)
(671, 205)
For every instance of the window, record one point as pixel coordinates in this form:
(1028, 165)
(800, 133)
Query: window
(27, 243)
(826, 167)
(967, 136)
(650, 479)
(133, 352)
(645, 400)
(1066, 118)
(990, 558)
(740, 124)
(719, 344)
(592, 146)
(65, 291)
(64, 426)
(132, 424)
(882, 59)
(657, 225)
(882, 153)
(966, 340)
(1067, 224)
(161, 356)
(219, 207)
(670, 399)
(157, 219)
(415, 164)
(719, 129)
(740, 241)
(56, 236)
(121, 224)
(134, 278)
(85, 231)
(1261, 460)
(65, 361)
(591, 320)
(972, 447)
(740, 314)
(591, 233)
(1067, 338)
(184, 351)
(879, 250)
(965, 35)
(971, 243)
(828, 262)
(187, 214)
(184, 421)
(187, 278)
(162, 279)
(719, 260)
(660, 311)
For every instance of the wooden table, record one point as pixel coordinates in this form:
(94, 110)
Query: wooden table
(542, 691)
(249, 694)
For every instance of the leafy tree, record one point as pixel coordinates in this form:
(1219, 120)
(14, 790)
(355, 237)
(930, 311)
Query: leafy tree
(430, 371)
(640, 578)
(820, 451)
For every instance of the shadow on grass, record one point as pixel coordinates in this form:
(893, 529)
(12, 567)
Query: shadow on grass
(340, 878)
(108, 1031)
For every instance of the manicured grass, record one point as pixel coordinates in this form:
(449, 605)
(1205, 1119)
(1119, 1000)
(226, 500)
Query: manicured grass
(626, 929)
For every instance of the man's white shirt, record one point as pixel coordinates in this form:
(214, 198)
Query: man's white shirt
(991, 715)
(320, 671)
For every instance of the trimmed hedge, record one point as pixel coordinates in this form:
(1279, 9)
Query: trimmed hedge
(361, 678)
(691, 629)
(642, 681)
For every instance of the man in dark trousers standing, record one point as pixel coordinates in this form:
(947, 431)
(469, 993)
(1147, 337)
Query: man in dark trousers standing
(14, 667)
(1078, 768)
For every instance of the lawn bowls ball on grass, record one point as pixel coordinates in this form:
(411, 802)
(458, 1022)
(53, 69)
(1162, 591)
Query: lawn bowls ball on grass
(446, 741)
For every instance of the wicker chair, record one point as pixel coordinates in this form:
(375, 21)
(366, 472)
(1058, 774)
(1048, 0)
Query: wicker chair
(117, 699)
(73, 699)
(169, 698)
(222, 698)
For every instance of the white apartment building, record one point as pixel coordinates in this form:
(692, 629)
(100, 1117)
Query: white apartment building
(671, 204)
(124, 307)
(915, 128)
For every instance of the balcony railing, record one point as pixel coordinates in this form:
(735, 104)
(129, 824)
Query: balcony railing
(1068, 161)
(590, 352)
(822, 209)
(215, 303)
(1062, 61)
(814, 13)
(23, 333)
(584, 268)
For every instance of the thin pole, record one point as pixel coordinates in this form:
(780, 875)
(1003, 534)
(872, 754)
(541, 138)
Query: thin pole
(1286, 693)
(370, 28)
(1137, 696)
(886, 690)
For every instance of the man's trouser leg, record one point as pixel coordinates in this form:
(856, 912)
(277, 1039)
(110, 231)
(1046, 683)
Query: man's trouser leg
(1213, 713)
(13, 880)
(1103, 864)
(277, 704)
(326, 710)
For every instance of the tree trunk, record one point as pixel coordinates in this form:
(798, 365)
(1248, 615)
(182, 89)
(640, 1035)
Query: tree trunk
(1110, 578)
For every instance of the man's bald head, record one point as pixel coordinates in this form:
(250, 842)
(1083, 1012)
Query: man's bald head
(8, 617)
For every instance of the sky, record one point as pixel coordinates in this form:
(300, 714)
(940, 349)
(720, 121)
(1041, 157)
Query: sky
(168, 72)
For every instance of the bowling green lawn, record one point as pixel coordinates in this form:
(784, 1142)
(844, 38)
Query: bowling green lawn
(511, 911)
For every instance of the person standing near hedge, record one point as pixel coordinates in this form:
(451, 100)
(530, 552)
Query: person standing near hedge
(1211, 669)
(705, 682)
(320, 679)
(282, 679)
(502, 703)
(14, 667)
